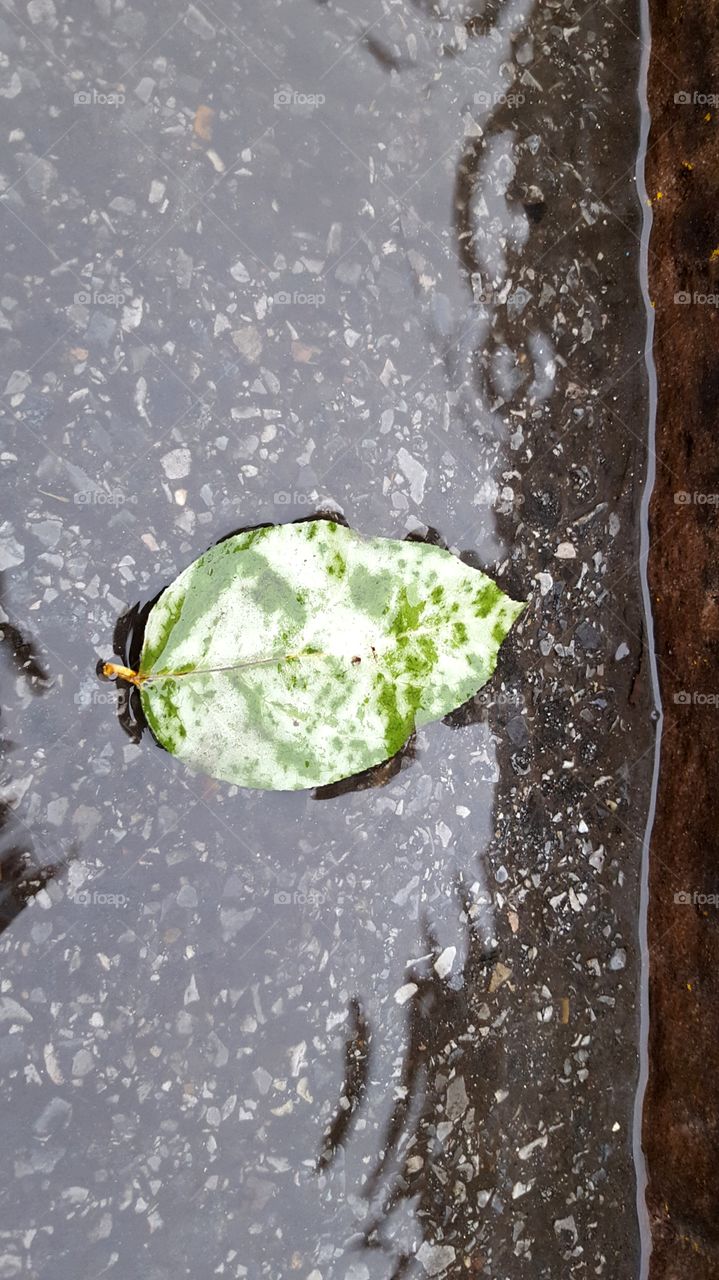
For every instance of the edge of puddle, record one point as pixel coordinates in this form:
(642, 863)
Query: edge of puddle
(640, 1163)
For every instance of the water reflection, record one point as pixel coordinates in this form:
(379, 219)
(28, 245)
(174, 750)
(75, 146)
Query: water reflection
(22, 874)
(354, 1084)
(320, 1035)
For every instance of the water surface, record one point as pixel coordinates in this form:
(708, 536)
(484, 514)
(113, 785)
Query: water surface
(381, 259)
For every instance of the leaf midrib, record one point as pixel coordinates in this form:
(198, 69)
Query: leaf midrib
(151, 678)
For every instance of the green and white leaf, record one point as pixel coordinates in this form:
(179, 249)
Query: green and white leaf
(296, 655)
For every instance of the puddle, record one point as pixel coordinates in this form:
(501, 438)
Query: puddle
(383, 260)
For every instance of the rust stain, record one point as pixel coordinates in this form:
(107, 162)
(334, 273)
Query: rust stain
(203, 123)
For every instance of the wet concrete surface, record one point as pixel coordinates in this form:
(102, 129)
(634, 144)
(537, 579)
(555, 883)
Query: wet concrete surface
(382, 260)
(680, 1129)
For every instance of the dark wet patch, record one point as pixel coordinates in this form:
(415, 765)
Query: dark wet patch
(22, 872)
(357, 1066)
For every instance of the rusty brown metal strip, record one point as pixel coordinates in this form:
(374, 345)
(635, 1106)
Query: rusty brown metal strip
(681, 1120)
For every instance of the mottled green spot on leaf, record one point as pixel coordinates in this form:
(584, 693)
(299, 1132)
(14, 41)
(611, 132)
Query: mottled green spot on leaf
(460, 635)
(370, 592)
(487, 598)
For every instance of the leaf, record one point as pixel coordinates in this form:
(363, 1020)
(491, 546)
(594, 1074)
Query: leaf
(296, 655)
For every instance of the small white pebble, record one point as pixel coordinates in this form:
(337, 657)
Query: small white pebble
(444, 962)
(176, 464)
(405, 993)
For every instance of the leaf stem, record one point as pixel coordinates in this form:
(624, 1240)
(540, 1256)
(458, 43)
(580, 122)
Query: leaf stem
(115, 672)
